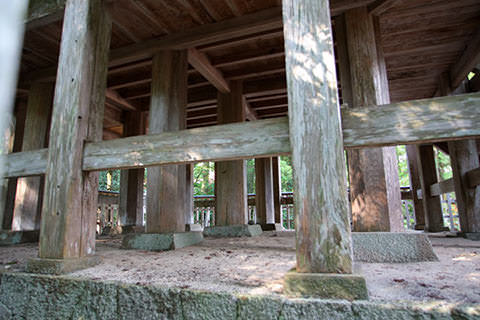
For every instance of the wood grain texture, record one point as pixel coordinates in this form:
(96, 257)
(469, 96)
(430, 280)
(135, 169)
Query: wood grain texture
(473, 177)
(231, 176)
(442, 187)
(202, 64)
(166, 184)
(374, 186)
(131, 180)
(464, 158)
(28, 200)
(264, 191)
(428, 176)
(429, 120)
(323, 238)
(415, 185)
(68, 214)
(277, 189)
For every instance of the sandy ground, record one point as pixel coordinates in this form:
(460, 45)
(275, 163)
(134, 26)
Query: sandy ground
(257, 265)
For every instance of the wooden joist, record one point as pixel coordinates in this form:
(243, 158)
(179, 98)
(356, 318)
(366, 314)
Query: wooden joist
(469, 59)
(202, 64)
(379, 7)
(419, 121)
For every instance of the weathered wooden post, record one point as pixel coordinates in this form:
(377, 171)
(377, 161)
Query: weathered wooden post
(416, 186)
(166, 185)
(131, 180)
(432, 205)
(264, 201)
(11, 32)
(231, 176)
(277, 192)
(374, 184)
(324, 245)
(28, 200)
(67, 237)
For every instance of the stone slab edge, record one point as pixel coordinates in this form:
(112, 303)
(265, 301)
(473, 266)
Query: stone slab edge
(161, 241)
(63, 297)
(236, 231)
(392, 247)
(61, 266)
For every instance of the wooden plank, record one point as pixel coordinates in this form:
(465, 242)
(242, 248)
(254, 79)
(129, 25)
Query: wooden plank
(264, 202)
(250, 113)
(231, 176)
(166, 184)
(428, 176)
(28, 200)
(464, 158)
(442, 187)
(43, 12)
(115, 98)
(323, 238)
(428, 120)
(68, 226)
(202, 64)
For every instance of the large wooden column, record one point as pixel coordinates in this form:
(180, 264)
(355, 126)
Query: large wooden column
(277, 190)
(464, 157)
(131, 180)
(231, 176)
(264, 193)
(432, 206)
(70, 199)
(28, 200)
(6, 147)
(416, 186)
(323, 238)
(166, 184)
(374, 186)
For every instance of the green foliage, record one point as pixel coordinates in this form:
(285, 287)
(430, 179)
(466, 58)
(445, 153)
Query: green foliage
(109, 181)
(403, 172)
(204, 178)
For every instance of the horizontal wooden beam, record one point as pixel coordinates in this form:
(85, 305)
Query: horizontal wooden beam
(428, 120)
(442, 187)
(379, 7)
(473, 178)
(465, 64)
(419, 121)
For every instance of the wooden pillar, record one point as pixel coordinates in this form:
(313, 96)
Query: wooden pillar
(323, 238)
(6, 147)
(428, 175)
(416, 186)
(277, 189)
(189, 194)
(11, 36)
(166, 184)
(464, 157)
(264, 192)
(70, 198)
(131, 180)
(374, 184)
(231, 176)
(28, 200)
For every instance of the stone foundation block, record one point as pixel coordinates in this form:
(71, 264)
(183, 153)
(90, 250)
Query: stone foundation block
(195, 227)
(325, 286)
(61, 266)
(474, 236)
(392, 247)
(233, 231)
(161, 241)
(8, 238)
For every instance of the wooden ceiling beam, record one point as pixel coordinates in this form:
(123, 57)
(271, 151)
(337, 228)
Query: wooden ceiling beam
(250, 114)
(202, 64)
(115, 98)
(467, 62)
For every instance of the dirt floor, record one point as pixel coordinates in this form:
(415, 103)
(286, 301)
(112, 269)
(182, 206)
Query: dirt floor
(257, 265)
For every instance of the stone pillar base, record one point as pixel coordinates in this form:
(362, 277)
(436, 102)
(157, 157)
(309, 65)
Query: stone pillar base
(325, 286)
(244, 230)
(61, 266)
(474, 236)
(194, 227)
(8, 238)
(161, 241)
